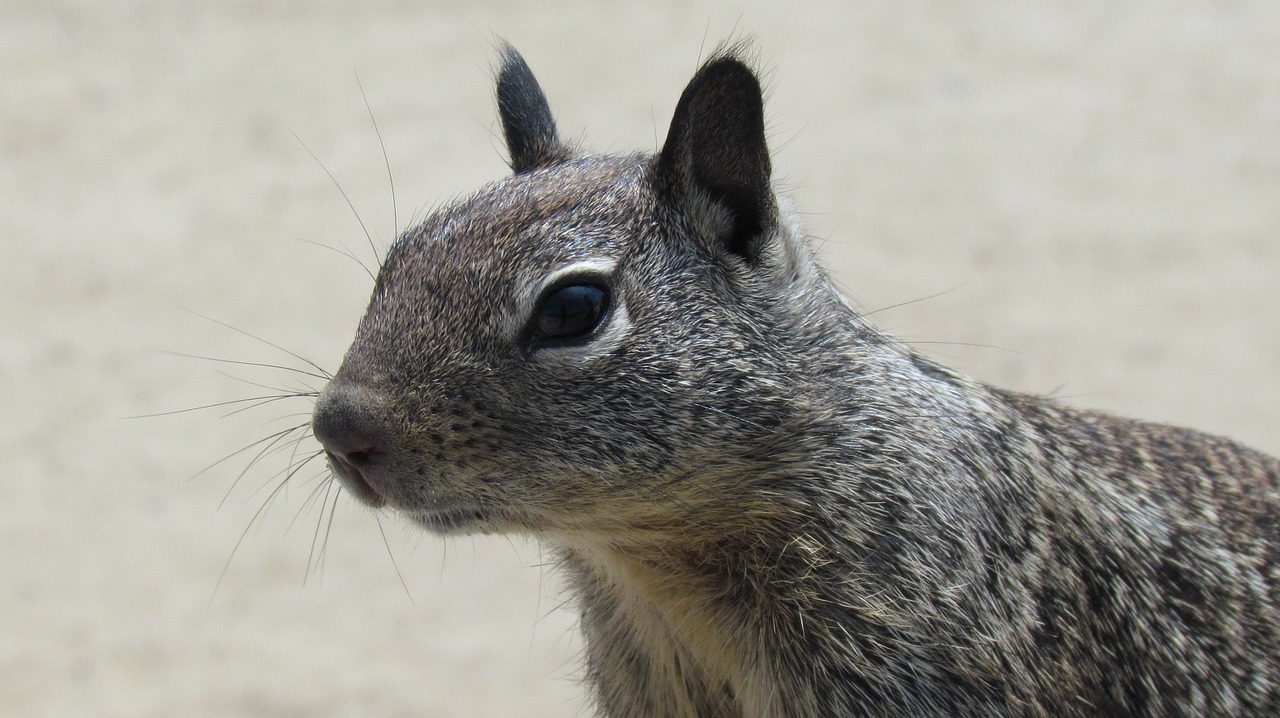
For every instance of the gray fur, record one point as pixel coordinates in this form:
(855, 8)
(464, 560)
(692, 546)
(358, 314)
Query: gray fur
(766, 507)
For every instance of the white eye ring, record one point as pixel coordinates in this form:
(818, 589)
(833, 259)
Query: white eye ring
(606, 337)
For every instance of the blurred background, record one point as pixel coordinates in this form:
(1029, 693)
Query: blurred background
(1080, 198)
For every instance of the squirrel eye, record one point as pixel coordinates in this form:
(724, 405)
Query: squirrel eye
(570, 312)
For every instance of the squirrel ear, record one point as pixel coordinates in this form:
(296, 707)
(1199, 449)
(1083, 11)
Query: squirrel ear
(716, 148)
(526, 118)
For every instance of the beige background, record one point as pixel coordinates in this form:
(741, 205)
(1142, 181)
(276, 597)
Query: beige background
(1093, 187)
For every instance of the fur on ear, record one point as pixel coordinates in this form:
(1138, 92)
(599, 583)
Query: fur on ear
(716, 149)
(527, 124)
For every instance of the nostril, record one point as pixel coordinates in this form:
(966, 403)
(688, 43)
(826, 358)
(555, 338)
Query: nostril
(358, 457)
(357, 461)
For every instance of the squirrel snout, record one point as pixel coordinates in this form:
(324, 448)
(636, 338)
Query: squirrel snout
(345, 423)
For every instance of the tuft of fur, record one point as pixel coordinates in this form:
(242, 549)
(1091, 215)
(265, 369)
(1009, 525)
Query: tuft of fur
(766, 507)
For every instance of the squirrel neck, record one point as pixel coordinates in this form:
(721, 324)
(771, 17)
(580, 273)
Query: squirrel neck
(842, 553)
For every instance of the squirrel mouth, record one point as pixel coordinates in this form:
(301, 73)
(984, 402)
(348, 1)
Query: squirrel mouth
(355, 481)
(457, 518)
(448, 520)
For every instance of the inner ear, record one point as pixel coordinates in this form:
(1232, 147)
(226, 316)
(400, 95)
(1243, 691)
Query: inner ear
(716, 147)
(527, 124)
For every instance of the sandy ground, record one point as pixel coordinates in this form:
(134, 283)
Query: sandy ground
(1092, 191)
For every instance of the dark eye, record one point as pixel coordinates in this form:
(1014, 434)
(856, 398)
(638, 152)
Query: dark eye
(570, 312)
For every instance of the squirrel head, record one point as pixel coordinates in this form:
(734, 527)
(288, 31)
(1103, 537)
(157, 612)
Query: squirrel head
(590, 342)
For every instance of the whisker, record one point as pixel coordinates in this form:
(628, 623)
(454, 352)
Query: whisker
(391, 180)
(328, 527)
(302, 391)
(241, 450)
(257, 515)
(390, 555)
(345, 253)
(298, 390)
(908, 342)
(328, 530)
(263, 401)
(341, 191)
(239, 362)
(287, 472)
(326, 375)
(315, 536)
(322, 488)
(219, 404)
(926, 298)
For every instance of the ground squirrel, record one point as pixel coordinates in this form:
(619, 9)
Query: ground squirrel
(765, 506)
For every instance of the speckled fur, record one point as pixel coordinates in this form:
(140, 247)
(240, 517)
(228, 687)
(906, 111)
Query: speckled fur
(766, 507)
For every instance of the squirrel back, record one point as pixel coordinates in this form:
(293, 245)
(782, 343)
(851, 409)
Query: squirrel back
(764, 505)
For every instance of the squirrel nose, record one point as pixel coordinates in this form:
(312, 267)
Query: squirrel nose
(345, 422)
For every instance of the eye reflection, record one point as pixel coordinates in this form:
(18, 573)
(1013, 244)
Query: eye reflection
(571, 311)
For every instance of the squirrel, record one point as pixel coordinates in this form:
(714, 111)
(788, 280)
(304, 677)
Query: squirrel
(763, 505)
